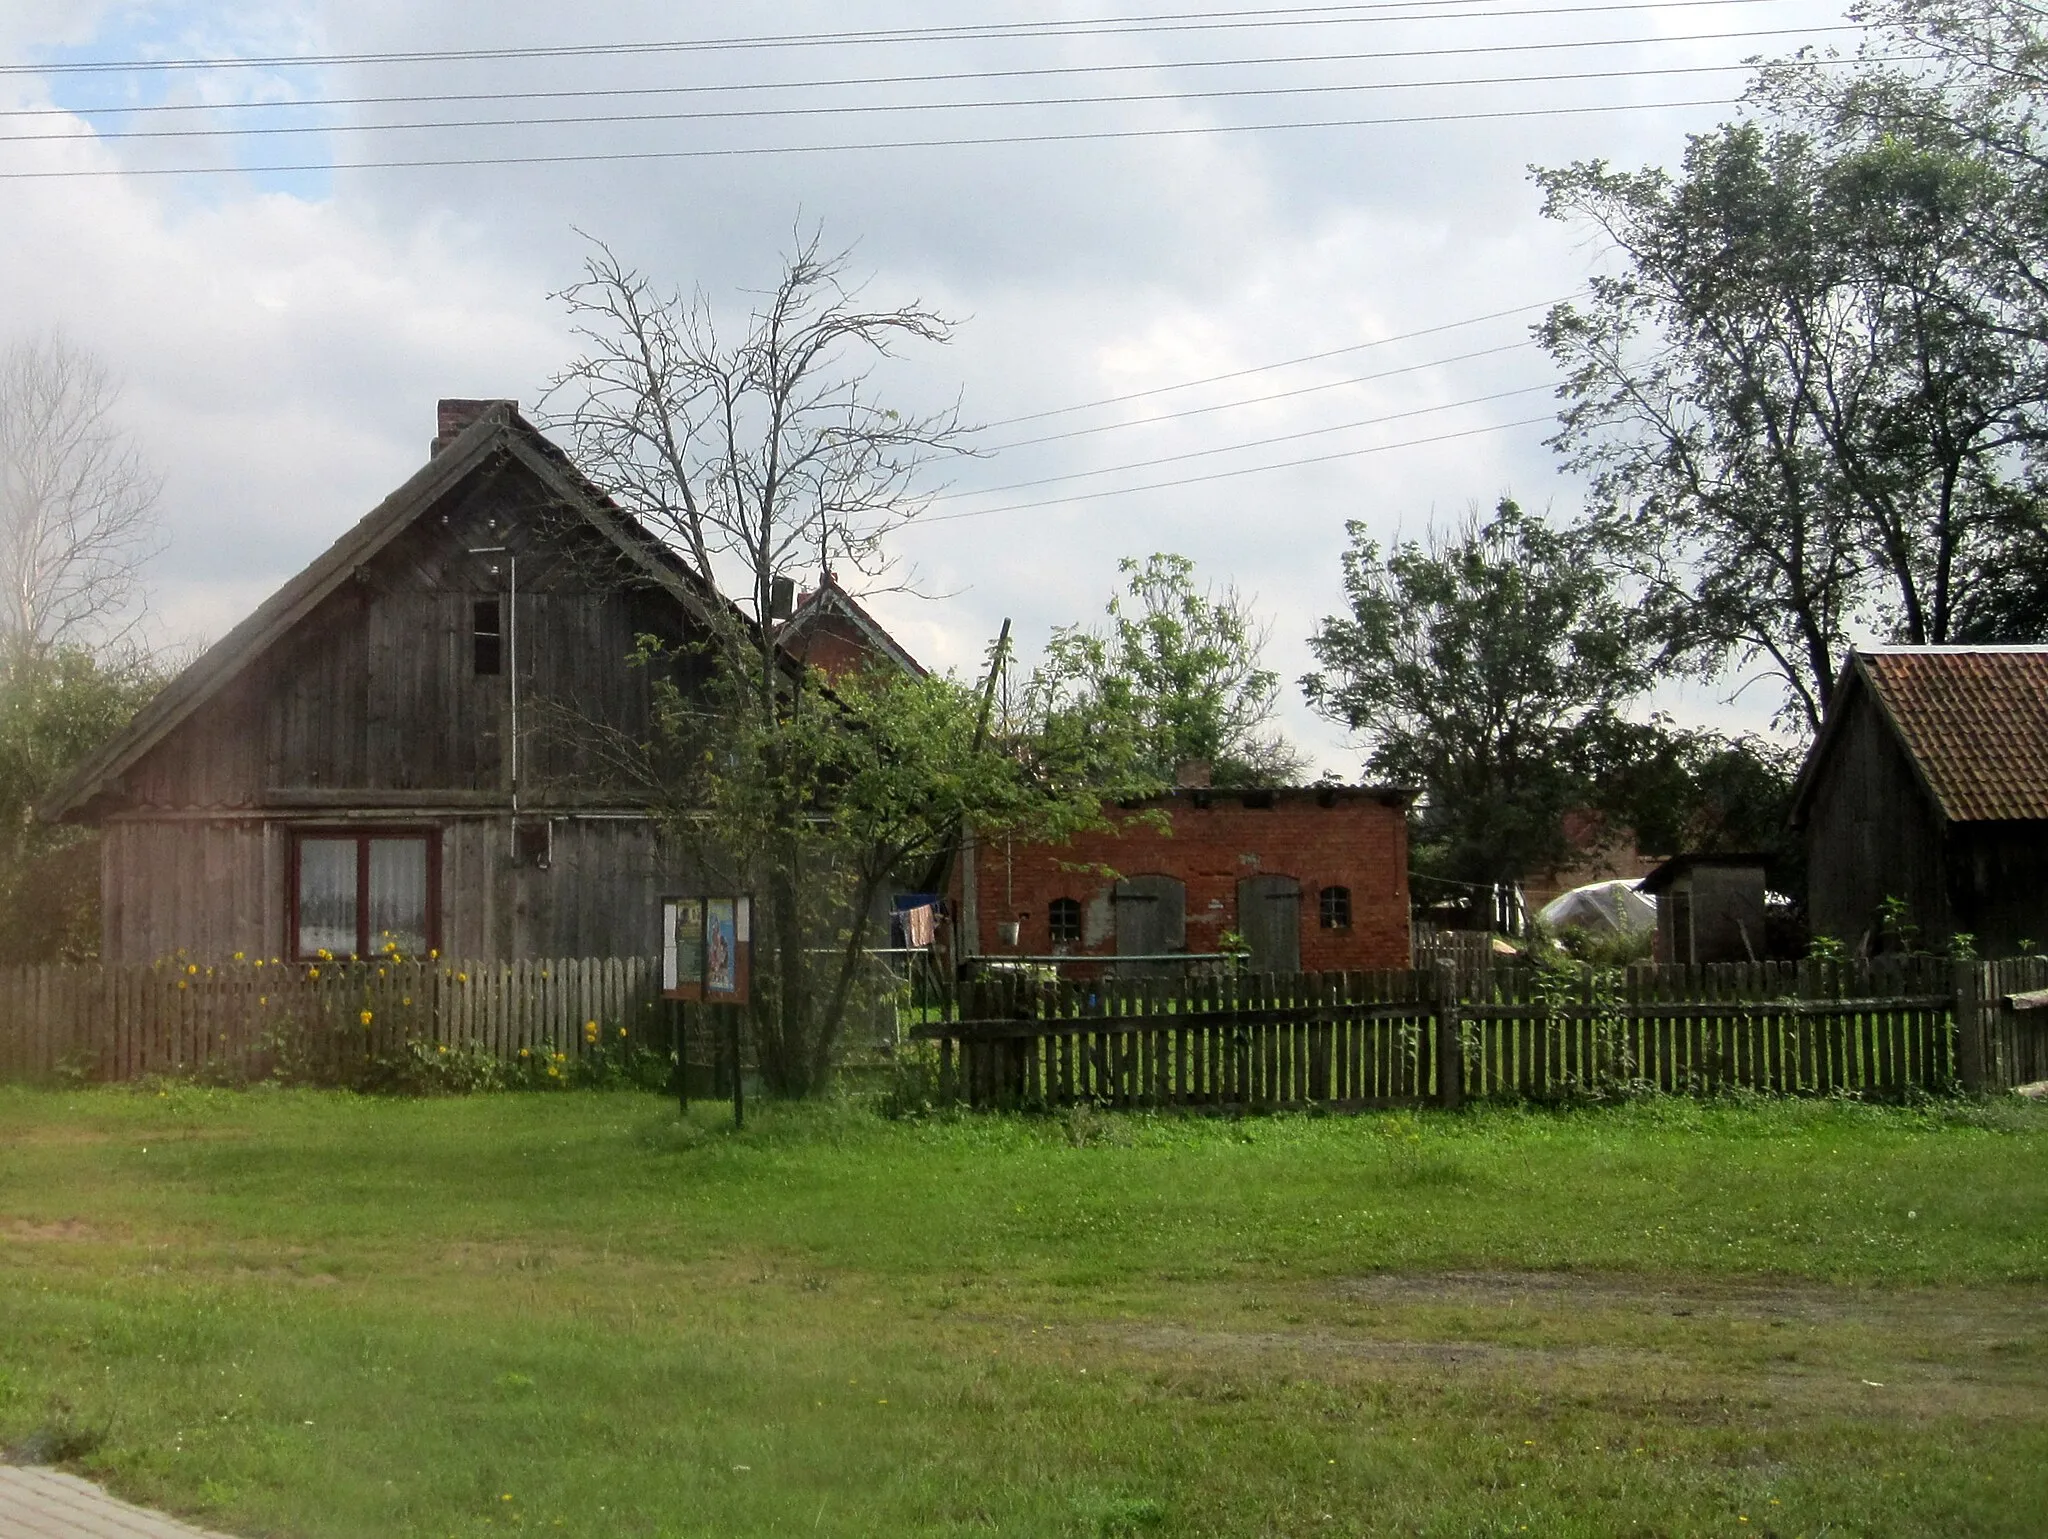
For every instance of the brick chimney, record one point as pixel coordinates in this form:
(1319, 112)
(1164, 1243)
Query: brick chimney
(453, 416)
(1192, 775)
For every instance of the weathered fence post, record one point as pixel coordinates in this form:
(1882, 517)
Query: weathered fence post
(1450, 1042)
(1969, 1018)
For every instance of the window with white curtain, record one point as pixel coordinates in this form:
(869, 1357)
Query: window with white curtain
(365, 894)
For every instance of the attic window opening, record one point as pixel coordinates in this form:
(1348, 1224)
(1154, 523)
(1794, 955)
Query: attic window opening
(487, 637)
(1336, 908)
(1063, 921)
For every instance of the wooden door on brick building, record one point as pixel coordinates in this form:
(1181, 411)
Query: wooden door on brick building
(1151, 918)
(1269, 919)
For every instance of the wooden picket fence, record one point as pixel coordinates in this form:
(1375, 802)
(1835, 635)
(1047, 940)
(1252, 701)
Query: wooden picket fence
(1880, 1029)
(2016, 1039)
(242, 1022)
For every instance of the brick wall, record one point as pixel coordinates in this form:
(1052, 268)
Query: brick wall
(1354, 837)
(833, 645)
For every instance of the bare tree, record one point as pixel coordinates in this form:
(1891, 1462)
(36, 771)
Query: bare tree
(77, 502)
(759, 457)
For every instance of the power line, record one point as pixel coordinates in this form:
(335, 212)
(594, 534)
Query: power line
(1183, 21)
(1227, 475)
(982, 141)
(857, 108)
(1257, 400)
(944, 77)
(1253, 443)
(1284, 363)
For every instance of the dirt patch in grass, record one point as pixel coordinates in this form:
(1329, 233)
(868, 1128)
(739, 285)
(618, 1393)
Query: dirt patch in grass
(1685, 1297)
(75, 1231)
(1715, 1350)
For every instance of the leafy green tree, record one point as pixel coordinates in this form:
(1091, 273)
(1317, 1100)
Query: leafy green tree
(1809, 400)
(755, 451)
(887, 767)
(1486, 667)
(57, 704)
(1689, 789)
(1176, 675)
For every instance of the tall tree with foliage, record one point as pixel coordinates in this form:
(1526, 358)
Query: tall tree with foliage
(1809, 400)
(761, 451)
(1483, 666)
(1691, 789)
(1175, 675)
(57, 704)
(888, 767)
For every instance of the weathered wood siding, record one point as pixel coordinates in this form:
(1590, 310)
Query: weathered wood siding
(211, 888)
(2000, 877)
(371, 711)
(1871, 833)
(376, 690)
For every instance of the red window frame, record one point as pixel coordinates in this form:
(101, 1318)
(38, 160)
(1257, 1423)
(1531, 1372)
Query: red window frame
(362, 838)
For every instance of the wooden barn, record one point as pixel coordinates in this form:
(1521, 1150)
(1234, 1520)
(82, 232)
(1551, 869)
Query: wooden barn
(1928, 783)
(400, 747)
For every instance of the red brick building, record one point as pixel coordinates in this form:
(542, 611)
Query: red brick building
(833, 632)
(1308, 879)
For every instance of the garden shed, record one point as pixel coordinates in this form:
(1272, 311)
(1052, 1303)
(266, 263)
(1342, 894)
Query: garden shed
(1926, 790)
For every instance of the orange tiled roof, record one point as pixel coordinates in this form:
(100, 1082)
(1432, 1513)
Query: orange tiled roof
(1975, 720)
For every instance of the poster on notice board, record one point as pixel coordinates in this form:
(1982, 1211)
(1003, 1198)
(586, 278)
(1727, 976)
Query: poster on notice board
(707, 949)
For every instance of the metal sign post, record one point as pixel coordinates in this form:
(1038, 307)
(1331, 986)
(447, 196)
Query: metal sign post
(707, 955)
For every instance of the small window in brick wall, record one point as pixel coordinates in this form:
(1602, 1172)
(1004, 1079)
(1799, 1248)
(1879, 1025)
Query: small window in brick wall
(1336, 908)
(487, 637)
(1063, 919)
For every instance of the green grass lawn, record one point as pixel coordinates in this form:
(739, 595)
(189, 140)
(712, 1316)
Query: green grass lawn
(315, 1314)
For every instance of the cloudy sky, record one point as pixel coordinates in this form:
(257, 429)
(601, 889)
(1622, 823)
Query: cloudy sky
(1248, 271)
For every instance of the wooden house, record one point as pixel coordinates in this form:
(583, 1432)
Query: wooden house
(404, 746)
(1928, 784)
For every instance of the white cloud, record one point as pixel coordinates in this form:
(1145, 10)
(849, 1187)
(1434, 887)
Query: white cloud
(284, 338)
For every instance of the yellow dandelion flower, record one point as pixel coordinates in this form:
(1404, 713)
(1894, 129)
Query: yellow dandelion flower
(238, 956)
(366, 1017)
(312, 972)
(434, 955)
(192, 968)
(444, 1047)
(622, 1031)
(407, 1000)
(326, 955)
(462, 977)
(262, 999)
